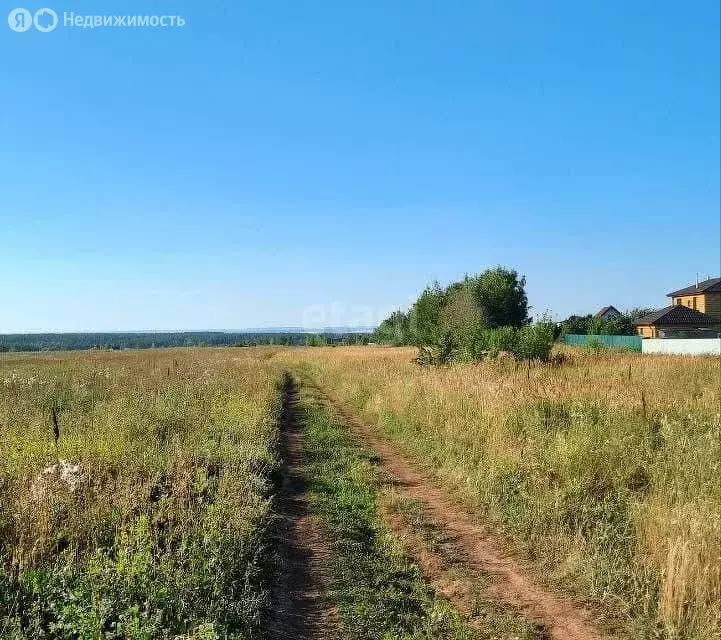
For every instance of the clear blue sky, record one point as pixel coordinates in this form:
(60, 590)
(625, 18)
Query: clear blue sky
(274, 157)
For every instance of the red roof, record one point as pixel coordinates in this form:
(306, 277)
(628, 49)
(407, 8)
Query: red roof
(606, 309)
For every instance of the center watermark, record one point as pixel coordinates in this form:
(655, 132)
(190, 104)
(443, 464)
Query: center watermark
(337, 315)
(45, 20)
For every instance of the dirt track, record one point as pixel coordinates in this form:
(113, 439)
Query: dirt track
(513, 585)
(298, 609)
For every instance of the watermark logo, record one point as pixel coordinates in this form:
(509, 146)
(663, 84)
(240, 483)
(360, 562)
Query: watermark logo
(358, 317)
(20, 20)
(46, 20)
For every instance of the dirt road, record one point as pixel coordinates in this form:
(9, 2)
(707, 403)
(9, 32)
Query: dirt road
(512, 583)
(299, 610)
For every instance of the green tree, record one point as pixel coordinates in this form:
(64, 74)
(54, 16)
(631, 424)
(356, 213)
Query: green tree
(501, 294)
(598, 326)
(577, 325)
(425, 316)
(462, 322)
(395, 330)
(501, 339)
(453, 323)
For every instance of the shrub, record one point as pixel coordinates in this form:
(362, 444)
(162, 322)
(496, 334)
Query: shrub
(500, 339)
(535, 341)
(595, 345)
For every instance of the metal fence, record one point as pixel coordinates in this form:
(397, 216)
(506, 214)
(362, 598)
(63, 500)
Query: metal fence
(632, 343)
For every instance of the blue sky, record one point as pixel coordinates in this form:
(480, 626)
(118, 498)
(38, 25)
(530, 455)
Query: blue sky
(282, 163)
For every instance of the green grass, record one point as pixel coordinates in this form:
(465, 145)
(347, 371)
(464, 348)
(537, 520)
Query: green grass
(378, 592)
(166, 533)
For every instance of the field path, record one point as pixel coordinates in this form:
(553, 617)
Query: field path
(298, 610)
(512, 583)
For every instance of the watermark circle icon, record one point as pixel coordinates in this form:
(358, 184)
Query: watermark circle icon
(20, 20)
(45, 20)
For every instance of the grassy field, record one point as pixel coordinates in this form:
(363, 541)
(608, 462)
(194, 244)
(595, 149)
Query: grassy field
(148, 518)
(605, 469)
(136, 488)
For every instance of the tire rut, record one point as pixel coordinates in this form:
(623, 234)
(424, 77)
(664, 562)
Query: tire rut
(298, 607)
(512, 583)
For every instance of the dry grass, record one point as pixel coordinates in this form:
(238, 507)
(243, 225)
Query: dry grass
(160, 529)
(604, 468)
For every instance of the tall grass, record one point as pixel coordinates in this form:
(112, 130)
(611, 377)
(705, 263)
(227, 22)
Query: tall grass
(604, 468)
(147, 518)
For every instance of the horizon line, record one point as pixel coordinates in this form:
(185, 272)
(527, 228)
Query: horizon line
(336, 329)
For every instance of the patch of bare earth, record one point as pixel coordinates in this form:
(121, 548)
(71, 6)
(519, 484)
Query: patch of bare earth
(449, 571)
(511, 583)
(299, 609)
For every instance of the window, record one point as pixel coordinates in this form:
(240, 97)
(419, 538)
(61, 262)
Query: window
(694, 302)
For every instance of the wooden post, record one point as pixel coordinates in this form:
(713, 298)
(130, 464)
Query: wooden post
(56, 430)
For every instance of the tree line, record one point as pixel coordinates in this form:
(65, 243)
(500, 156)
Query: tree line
(151, 340)
(621, 325)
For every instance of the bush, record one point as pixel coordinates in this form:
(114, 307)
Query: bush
(530, 342)
(535, 341)
(595, 345)
(500, 339)
(443, 353)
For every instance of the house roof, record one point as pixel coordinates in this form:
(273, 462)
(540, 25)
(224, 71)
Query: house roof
(606, 309)
(713, 285)
(675, 315)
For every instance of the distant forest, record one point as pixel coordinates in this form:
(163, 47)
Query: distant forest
(142, 340)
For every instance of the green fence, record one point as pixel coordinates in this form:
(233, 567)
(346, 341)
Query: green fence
(632, 343)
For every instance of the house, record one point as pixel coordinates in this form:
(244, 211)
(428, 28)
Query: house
(703, 296)
(695, 307)
(608, 313)
(677, 317)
